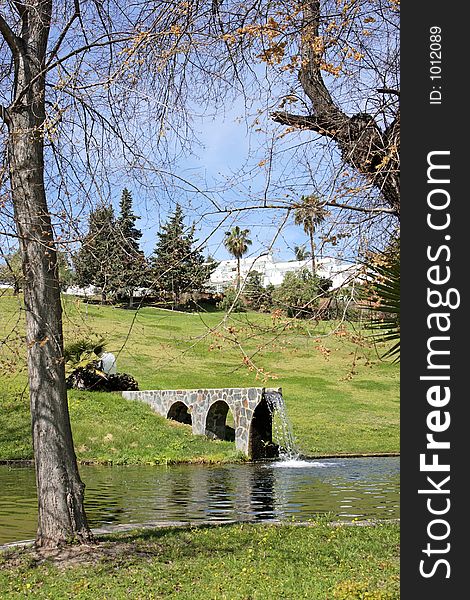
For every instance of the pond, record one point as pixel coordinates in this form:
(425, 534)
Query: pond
(363, 488)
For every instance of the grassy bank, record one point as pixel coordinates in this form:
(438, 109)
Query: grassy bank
(340, 397)
(107, 428)
(237, 562)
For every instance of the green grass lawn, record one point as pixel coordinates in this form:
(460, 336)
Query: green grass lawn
(340, 397)
(237, 562)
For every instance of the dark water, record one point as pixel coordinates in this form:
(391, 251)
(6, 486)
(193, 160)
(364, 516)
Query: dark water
(347, 488)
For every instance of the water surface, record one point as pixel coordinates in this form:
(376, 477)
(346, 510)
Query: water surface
(363, 488)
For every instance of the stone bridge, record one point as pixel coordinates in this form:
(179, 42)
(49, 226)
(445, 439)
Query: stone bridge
(206, 411)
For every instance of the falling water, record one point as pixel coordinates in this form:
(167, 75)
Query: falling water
(282, 427)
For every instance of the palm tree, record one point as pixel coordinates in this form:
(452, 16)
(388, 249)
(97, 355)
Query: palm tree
(310, 213)
(237, 242)
(301, 253)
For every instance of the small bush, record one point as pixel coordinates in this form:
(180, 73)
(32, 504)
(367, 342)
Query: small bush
(85, 372)
(258, 297)
(231, 302)
(91, 378)
(299, 294)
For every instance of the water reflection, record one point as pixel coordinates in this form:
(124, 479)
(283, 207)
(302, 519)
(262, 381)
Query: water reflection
(218, 492)
(362, 488)
(262, 494)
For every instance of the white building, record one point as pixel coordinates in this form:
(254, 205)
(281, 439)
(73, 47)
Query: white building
(274, 272)
(86, 292)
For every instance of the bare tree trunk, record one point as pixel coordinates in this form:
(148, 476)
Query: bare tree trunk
(239, 277)
(312, 251)
(60, 491)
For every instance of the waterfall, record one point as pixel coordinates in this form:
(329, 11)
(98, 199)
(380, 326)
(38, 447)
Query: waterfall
(281, 426)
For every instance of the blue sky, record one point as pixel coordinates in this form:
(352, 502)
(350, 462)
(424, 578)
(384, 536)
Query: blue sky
(226, 163)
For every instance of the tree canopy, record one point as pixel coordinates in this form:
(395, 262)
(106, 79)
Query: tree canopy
(237, 243)
(95, 260)
(310, 213)
(77, 78)
(130, 267)
(109, 256)
(177, 266)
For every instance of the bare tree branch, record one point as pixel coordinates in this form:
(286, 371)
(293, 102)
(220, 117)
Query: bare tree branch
(63, 33)
(362, 144)
(9, 36)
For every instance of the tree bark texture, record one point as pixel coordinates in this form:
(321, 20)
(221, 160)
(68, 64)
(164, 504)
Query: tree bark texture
(60, 491)
(371, 151)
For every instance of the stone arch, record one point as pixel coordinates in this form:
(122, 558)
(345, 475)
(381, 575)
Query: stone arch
(206, 410)
(216, 422)
(260, 439)
(179, 412)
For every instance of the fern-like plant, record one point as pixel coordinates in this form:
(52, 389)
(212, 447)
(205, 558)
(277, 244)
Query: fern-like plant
(84, 354)
(383, 296)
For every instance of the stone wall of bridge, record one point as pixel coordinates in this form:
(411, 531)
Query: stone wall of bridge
(206, 410)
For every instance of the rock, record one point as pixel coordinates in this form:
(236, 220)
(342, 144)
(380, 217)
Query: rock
(108, 363)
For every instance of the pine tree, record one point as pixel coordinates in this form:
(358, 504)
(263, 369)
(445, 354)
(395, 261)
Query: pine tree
(176, 266)
(126, 222)
(130, 267)
(95, 261)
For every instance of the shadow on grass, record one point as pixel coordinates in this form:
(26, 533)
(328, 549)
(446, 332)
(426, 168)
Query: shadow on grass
(158, 533)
